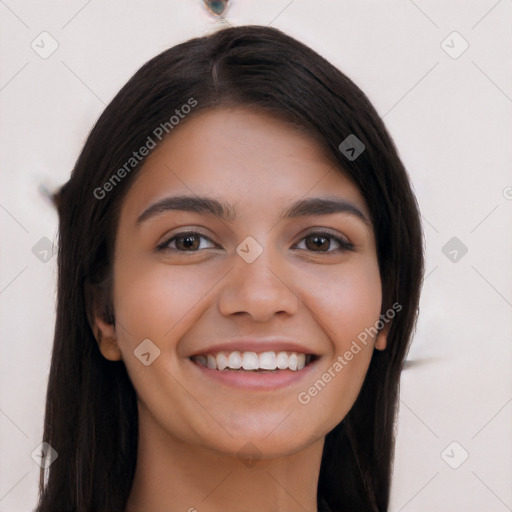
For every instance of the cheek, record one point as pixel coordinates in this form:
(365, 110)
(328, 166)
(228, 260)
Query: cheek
(153, 300)
(347, 306)
(346, 301)
(157, 302)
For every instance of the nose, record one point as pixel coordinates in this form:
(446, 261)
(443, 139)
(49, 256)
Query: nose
(259, 289)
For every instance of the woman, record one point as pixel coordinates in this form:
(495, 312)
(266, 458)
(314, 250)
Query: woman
(240, 261)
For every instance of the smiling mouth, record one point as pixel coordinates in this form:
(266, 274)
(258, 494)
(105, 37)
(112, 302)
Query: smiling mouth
(264, 362)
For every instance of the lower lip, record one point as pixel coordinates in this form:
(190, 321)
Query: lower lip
(257, 381)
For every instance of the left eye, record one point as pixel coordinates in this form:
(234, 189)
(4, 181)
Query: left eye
(186, 242)
(321, 242)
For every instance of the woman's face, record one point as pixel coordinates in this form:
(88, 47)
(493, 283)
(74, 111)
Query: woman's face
(280, 272)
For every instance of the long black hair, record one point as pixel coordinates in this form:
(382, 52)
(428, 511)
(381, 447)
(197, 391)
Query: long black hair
(91, 411)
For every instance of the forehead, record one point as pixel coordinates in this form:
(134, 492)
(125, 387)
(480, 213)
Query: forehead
(242, 154)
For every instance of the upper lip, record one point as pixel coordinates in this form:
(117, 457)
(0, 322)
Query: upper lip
(255, 345)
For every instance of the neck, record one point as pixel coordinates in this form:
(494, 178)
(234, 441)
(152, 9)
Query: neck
(174, 476)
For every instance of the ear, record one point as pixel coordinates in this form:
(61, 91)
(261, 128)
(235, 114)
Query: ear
(105, 335)
(382, 338)
(102, 322)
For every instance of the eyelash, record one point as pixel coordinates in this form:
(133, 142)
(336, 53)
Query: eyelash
(344, 245)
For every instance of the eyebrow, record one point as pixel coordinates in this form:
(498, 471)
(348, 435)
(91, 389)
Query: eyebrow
(226, 211)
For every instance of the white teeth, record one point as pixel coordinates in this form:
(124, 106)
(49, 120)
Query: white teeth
(251, 361)
(235, 360)
(222, 361)
(282, 360)
(211, 362)
(268, 361)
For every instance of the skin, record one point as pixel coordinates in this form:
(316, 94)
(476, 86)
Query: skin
(192, 427)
